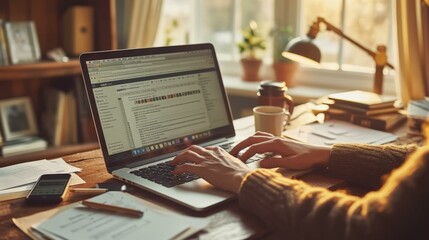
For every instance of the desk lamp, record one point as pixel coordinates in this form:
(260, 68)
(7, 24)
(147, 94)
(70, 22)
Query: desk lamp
(303, 50)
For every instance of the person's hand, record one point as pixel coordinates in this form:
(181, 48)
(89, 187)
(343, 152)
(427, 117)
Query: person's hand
(214, 165)
(286, 153)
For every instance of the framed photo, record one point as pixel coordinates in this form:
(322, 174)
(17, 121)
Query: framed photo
(22, 42)
(17, 118)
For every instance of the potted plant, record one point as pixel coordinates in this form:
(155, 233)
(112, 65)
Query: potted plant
(284, 69)
(250, 45)
(174, 24)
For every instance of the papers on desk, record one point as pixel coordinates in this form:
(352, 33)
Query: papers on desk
(24, 173)
(22, 191)
(418, 108)
(334, 131)
(78, 222)
(17, 180)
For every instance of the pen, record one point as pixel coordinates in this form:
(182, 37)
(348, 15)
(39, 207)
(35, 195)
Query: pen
(327, 136)
(88, 190)
(111, 208)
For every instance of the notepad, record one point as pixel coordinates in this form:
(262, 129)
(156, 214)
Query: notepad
(80, 222)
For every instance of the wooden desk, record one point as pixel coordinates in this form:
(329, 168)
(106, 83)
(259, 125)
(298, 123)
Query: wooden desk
(94, 172)
(222, 218)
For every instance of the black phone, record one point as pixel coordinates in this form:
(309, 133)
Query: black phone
(49, 189)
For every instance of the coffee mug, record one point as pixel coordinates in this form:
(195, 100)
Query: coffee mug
(270, 119)
(275, 94)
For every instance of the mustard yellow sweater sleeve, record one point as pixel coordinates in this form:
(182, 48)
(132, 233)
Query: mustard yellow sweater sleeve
(364, 164)
(295, 210)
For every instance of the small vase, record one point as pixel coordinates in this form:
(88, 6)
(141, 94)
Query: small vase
(251, 68)
(285, 72)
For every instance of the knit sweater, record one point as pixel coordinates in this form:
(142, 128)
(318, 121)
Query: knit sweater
(398, 210)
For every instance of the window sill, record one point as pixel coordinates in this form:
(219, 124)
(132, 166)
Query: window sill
(301, 94)
(311, 83)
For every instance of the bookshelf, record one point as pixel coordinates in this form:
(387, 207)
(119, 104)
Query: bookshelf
(30, 80)
(43, 69)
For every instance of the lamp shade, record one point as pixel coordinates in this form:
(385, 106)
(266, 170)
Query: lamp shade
(303, 50)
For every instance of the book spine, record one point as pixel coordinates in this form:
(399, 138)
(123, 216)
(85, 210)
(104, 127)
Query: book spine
(338, 114)
(352, 104)
(369, 123)
(415, 126)
(364, 112)
(86, 128)
(3, 47)
(353, 109)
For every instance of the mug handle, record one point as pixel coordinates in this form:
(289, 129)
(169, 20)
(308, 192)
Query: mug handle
(290, 103)
(286, 121)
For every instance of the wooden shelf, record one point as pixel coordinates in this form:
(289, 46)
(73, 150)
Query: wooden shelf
(30, 80)
(49, 153)
(44, 69)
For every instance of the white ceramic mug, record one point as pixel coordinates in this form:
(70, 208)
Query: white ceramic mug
(270, 119)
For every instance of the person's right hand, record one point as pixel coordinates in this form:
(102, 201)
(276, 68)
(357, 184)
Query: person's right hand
(287, 153)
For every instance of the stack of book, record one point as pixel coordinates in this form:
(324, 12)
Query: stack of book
(22, 145)
(365, 109)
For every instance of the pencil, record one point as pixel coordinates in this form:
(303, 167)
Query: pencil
(111, 208)
(88, 190)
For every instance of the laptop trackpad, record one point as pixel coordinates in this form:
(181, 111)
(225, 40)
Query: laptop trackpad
(201, 185)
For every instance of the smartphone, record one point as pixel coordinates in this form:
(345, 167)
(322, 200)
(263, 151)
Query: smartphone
(49, 189)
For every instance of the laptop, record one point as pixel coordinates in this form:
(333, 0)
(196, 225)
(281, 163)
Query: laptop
(150, 104)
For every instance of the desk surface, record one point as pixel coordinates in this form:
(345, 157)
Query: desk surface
(226, 216)
(94, 172)
(222, 218)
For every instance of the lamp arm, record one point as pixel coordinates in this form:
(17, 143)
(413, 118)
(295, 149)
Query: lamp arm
(334, 29)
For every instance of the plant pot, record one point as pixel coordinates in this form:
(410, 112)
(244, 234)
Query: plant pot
(251, 68)
(285, 72)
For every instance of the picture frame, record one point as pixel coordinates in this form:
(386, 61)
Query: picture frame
(17, 118)
(22, 42)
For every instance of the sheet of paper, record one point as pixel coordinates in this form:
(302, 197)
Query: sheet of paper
(334, 131)
(418, 108)
(22, 191)
(64, 166)
(25, 223)
(227, 225)
(29, 172)
(80, 222)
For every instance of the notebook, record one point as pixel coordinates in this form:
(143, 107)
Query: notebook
(150, 104)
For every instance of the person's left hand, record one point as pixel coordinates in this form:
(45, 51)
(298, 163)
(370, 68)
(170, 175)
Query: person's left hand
(214, 165)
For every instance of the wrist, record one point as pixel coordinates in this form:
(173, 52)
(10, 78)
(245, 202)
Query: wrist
(324, 154)
(237, 181)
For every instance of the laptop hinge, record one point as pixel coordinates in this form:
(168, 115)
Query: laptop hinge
(213, 142)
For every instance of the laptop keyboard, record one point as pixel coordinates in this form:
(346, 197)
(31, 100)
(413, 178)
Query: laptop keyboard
(161, 173)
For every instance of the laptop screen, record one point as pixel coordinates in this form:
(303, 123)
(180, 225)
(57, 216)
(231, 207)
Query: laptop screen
(153, 102)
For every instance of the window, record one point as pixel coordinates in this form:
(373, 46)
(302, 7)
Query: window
(366, 21)
(369, 22)
(217, 22)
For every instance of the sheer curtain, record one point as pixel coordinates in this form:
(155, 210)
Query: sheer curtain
(141, 22)
(413, 49)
